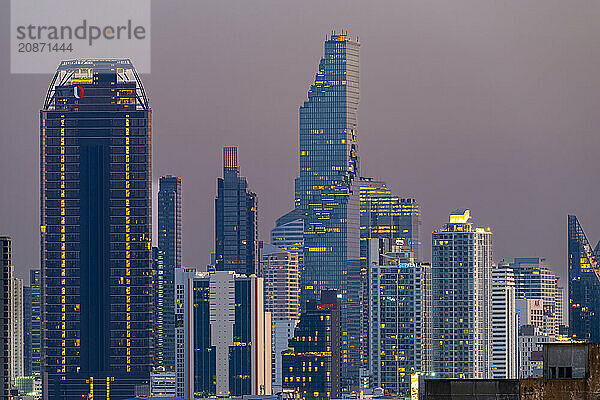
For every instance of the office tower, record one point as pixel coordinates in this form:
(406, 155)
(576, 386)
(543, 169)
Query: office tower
(535, 280)
(504, 323)
(312, 368)
(530, 356)
(236, 219)
(95, 159)
(225, 335)
(16, 326)
(289, 234)
(35, 333)
(461, 270)
(395, 316)
(5, 323)
(584, 284)
(280, 273)
(169, 244)
(327, 190)
(383, 216)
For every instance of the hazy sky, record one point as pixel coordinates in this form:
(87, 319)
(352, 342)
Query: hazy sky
(487, 105)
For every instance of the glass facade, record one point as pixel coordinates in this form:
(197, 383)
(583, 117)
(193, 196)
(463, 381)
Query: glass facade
(95, 159)
(289, 234)
(236, 219)
(584, 284)
(327, 189)
(312, 368)
(169, 245)
(224, 343)
(395, 323)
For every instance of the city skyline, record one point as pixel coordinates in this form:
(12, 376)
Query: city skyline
(519, 157)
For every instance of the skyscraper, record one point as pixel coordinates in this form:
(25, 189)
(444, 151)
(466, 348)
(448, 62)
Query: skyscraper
(169, 244)
(395, 315)
(504, 323)
(312, 368)
(280, 273)
(534, 280)
(16, 327)
(236, 219)
(327, 190)
(36, 321)
(95, 159)
(461, 269)
(584, 284)
(224, 341)
(5, 313)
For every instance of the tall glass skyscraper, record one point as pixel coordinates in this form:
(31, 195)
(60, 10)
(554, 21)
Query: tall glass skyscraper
(169, 245)
(236, 219)
(95, 161)
(584, 284)
(328, 190)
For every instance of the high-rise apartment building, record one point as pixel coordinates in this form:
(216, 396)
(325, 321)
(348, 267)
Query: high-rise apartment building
(281, 281)
(236, 219)
(327, 190)
(534, 280)
(169, 245)
(16, 329)
(461, 272)
(504, 323)
(5, 314)
(224, 336)
(312, 368)
(584, 284)
(395, 312)
(279, 269)
(95, 161)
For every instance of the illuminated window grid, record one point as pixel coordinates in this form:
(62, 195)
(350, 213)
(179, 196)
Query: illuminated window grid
(127, 245)
(63, 252)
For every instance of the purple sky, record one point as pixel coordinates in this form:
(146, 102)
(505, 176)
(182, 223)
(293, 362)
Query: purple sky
(486, 105)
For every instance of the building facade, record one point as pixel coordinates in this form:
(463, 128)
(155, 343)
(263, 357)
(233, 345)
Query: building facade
(32, 324)
(534, 280)
(236, 219)
(96, 177)
(288, 234)
(283, 332)
(461, 268)
(312, 367)
(504, 323)
(584, 284)
(279, 268)
(225, 335)
(530, 355)
(17, 369)
(169, 245)
(327, 190)
(5, 309)
(395, 314)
